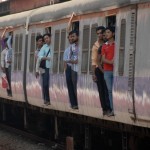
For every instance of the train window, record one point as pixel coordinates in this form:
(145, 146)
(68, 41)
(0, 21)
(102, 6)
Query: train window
(16, 52)
(111, 21)
(93, 40)
(0, 47)
(38, 34)
(32, 50)
(122, 47)
(48, 30)
(75, 25)
(20, 51)
(85, 48)
(62, 48)
(56, 51)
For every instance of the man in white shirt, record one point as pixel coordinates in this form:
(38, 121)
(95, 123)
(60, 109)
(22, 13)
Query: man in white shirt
(45, 54)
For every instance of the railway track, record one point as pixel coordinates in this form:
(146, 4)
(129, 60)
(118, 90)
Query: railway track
(40, 141)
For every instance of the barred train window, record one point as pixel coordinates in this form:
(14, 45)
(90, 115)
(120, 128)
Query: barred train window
(62, 49)
(56, 51)
(18, 52)
(122, 47)
(111, 21)
(32, 51)
(48, 30)
(75, 25)
(86, 48)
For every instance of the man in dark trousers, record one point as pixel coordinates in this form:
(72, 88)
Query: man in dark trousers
(45, 54)
(71, 69)
(6, 60)
(97, 70)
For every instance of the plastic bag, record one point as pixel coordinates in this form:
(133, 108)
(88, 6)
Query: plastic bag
(4, 81)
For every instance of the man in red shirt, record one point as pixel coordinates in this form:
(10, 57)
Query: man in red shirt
(108, 60)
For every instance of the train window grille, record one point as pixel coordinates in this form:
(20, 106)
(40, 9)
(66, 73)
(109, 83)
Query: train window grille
(75, 25)
(20, 52)
(0, 47)
(111, 21)
(85, 48)
(56, 51)
(38, 33)
(48, 30)
(62, 48)
(16, 52)
(132, 52)
(32, 53)
(122, 47)
(92, 41)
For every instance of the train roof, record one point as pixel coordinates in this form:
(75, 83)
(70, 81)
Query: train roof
(62, 10)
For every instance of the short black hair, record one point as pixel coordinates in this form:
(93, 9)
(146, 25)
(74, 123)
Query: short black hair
(70, 33)
(100, 28)
(47, 34)
(112, 29)
(39, 37)
(76, 32)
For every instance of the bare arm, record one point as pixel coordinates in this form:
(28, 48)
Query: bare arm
(72, 61)
(2, 36)
(70, 21)
(107, 61)
(100, 62)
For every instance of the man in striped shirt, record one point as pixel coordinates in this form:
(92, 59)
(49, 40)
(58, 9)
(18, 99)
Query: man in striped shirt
(71, 59)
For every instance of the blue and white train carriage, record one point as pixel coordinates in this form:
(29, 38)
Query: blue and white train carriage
(131, 90)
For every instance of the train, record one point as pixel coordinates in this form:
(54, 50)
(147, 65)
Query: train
(131, 89)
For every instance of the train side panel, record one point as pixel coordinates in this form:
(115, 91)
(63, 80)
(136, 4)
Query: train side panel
(142, 66)
(121, 100)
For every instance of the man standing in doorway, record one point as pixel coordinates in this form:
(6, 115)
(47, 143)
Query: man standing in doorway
(45, 54)
(108, 61)
(71, 59)
(97, 69)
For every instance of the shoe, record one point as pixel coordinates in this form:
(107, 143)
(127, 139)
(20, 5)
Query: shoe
(104, 112)
(75, 107)
(110, 113)
(47, 103)
(10, 95)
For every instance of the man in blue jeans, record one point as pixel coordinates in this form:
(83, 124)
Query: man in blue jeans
(45, 54)
(108, 60)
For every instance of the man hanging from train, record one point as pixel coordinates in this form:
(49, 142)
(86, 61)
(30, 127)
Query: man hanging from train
(44, 63)
(98, 75)
(108, 61)
(71, 70)
(6, 60)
